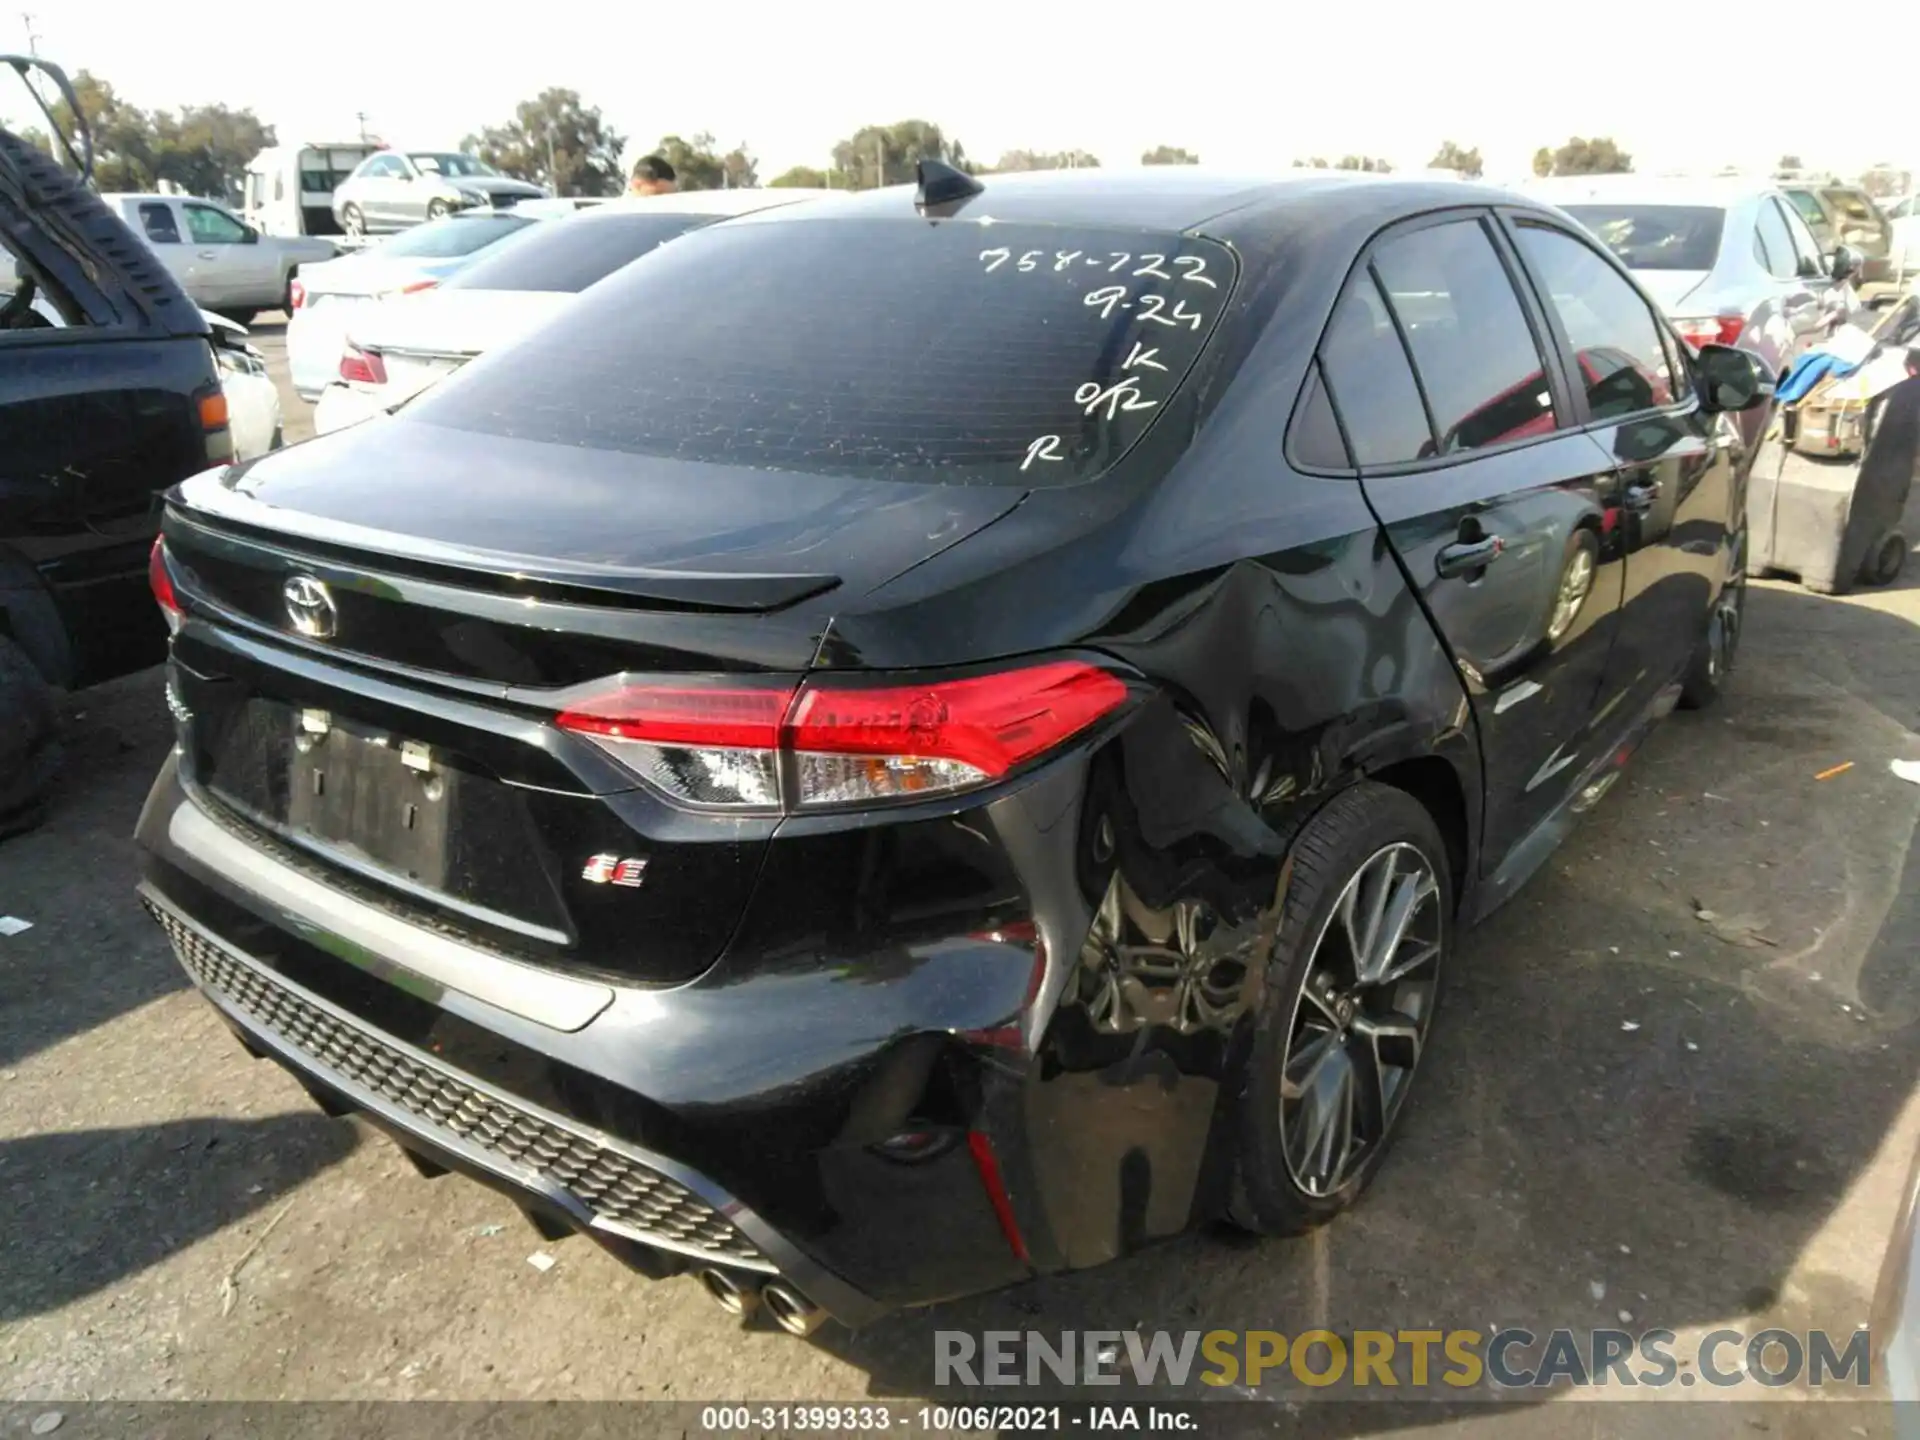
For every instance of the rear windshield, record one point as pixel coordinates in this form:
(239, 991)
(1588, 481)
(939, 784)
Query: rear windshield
(444, 239)
(949, 352)
(570, 255)
(1656, 237)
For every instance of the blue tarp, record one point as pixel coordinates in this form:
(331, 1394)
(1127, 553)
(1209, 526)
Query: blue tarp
(1809, 370)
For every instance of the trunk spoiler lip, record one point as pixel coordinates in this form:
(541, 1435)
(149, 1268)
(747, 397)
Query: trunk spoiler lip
(218, 513)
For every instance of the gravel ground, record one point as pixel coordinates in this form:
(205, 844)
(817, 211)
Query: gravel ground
(1626, 1109)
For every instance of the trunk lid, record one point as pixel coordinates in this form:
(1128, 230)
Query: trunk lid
(512, 516)
(1670, 289)
(406, 746)
(438, 331)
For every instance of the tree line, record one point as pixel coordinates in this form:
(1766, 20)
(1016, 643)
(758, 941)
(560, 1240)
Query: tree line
(203, 149)
(558, 140)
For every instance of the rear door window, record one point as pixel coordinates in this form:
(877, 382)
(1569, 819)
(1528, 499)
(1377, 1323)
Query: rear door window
(1775, 242)
(1473, 350)
(157, 222)
(1371, 382)
(1617, 347)
(570, 255)
(1317, 442)
(947, 353)
(1809, 262)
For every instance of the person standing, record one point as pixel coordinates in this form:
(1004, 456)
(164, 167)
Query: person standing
(652, 175)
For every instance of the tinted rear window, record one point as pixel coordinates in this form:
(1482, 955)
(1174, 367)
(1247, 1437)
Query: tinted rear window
(1656, 237)
(570, 255)
(446, 239)
(952, 352)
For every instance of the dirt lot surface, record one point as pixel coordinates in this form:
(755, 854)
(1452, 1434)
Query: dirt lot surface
(1629, 1111)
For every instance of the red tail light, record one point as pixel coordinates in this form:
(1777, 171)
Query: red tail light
(160, 581)
(1711, 329)
(297, 293)
(831, 743)
(363, 367)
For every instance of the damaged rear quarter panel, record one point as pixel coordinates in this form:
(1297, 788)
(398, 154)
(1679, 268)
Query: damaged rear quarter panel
(1287, 658)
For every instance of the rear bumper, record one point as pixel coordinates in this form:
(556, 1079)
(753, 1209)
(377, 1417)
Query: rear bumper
(338, 406)
(593, 1181)
(315, 337)
(588, 1109)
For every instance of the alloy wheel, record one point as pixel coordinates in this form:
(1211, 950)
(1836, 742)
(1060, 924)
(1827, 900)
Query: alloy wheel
(1723, 637)
(1360, 1020)
(1575, 585)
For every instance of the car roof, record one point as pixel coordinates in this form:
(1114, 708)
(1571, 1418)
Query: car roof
(1159, 197)
(709, 202)
(157, 195)
(1718, 192)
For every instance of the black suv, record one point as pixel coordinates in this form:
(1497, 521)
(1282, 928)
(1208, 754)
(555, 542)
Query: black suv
(929, 736)
(109, 395)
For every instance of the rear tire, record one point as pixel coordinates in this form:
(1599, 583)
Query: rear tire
(29, 741)
(1889, 558)
(240, 317)
(1719, 648)
(1337, 1040)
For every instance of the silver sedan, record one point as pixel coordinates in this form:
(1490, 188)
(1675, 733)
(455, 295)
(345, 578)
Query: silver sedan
(1730, 261)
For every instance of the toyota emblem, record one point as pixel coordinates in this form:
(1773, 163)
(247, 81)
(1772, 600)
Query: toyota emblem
(310, 607)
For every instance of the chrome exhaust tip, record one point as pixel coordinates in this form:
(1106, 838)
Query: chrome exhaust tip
(729, 1294)
(791, 1310)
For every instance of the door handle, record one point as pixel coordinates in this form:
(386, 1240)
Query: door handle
(208, 255)
(1640, 498)
(1467, 556)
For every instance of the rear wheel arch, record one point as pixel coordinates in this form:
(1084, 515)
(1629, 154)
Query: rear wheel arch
(1433, 781)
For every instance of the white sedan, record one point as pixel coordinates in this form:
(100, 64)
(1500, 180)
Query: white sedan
(324, 296)
(253, 400)
(390, 353)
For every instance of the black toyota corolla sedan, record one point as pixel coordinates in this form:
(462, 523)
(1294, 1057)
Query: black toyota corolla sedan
(945, 734)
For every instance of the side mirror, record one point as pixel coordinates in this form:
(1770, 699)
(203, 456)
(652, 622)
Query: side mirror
(253, 236)
(1845, 262)
(1732, 379)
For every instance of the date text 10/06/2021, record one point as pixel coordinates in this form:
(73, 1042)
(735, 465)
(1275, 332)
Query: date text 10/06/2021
(789, 1419)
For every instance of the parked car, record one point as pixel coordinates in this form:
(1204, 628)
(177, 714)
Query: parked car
(1846, 215)
(253, 400)
(223, 264)
(395, 189)
(289, 188)
(108, 396)
(943, 733)
(1903, 247)
(326, 296)
(393, 352)
(1729, 261)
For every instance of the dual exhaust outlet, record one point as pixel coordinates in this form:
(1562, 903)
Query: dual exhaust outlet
(789, 1309)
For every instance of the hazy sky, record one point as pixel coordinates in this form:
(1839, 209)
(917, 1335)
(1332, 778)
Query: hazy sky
(1248, 86)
